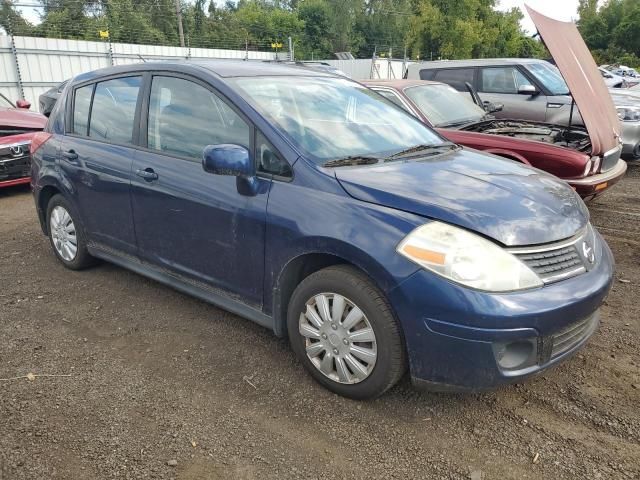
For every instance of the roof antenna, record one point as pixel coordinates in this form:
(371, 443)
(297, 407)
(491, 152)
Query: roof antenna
(142, 58)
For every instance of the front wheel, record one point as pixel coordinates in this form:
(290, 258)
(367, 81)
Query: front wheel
(343, 331)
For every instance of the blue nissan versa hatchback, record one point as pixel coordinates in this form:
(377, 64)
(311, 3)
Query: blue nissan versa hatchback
(311, 205)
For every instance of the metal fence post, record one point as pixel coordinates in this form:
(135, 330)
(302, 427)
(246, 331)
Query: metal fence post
(14, 52)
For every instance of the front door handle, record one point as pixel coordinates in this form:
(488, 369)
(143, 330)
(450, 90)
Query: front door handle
(70, 155)
(148, 174)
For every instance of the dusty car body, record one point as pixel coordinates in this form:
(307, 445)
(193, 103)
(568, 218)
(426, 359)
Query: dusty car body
(17, 127)
(552, 148)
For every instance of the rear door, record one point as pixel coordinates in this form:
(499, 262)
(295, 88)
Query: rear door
(500, 84)
(96, 157)
(190, 222)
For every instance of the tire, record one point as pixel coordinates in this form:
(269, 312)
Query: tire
(71, 228)
(327, 347)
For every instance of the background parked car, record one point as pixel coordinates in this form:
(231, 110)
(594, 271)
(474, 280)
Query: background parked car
(529, 89)
(17, 127)
(541, 145)
(48, 99)
(612, 80)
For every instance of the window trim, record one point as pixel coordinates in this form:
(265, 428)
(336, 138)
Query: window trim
(269, 176)
(94, 82)
(143, 140)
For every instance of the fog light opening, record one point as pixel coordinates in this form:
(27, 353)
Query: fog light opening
(515, 355)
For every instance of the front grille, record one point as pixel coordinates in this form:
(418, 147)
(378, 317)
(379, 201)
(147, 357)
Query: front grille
(15, 161)
(572, 335)
(550, 264)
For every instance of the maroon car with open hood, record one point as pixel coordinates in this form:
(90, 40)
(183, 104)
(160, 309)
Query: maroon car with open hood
(563, 152)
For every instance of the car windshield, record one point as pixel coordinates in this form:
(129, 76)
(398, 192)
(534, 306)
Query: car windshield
(550, 77)
(444, 106)
(333, 118)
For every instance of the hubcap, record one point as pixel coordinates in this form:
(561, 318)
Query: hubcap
(339, 339)
(63, 233)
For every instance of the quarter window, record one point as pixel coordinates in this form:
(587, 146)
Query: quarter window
(114, 108)
(269, 160)
(502, 80)
(185, 117)
(81, 104)
(456, 77)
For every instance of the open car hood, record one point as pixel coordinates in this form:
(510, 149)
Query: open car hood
(585, 82)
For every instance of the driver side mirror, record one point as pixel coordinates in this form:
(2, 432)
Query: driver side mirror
(226, 159)
(527, 90)
(23, 104)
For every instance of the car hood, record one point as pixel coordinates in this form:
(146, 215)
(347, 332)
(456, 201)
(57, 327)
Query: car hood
(509, 202)
(585, 82)
(625, 97)
(20, 118)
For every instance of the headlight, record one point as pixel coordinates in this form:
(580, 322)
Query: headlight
(629, 114)
(466, 258)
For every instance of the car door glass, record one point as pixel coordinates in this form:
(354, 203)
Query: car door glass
(185, 117)
(113, 110)
(502, 80)
(456, 77)
(269, 160)
(81, 104)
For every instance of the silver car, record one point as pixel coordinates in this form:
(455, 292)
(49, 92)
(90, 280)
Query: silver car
(529, 89)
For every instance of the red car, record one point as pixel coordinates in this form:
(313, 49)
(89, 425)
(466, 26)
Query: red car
(549, 147)
(17, 127)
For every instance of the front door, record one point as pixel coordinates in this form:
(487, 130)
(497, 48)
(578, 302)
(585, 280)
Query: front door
(194, 223)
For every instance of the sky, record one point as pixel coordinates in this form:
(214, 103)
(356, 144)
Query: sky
(566, 10)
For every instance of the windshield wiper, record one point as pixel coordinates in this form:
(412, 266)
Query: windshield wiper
(420, 148)
(351, 161)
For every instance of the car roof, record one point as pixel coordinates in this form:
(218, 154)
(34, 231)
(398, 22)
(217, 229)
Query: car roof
(474, 62)
(399, 84)
(219, 67)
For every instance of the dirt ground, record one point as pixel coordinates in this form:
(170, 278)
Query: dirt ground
(155, 384)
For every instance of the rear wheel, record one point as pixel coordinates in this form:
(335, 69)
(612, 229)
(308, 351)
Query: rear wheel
(343, 331)
(66, 235)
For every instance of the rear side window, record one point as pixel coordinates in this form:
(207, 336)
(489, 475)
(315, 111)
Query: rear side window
(81, 104)
(502, 80)
(185, 117)
(114, 108)
(456, 77)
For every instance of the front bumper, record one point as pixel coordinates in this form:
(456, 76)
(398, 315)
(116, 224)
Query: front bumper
(597, 184)
(463, 339)
(630, 140)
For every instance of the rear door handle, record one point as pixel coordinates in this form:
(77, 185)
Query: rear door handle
(70, 155)
(148, 174)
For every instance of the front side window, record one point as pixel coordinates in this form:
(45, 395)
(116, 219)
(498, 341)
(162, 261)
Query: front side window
(334, 118)
(81, 105)
(443, 106)
(114, 109)
(549, 76)
(185, 117)
(456, 77)
(502, 80)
